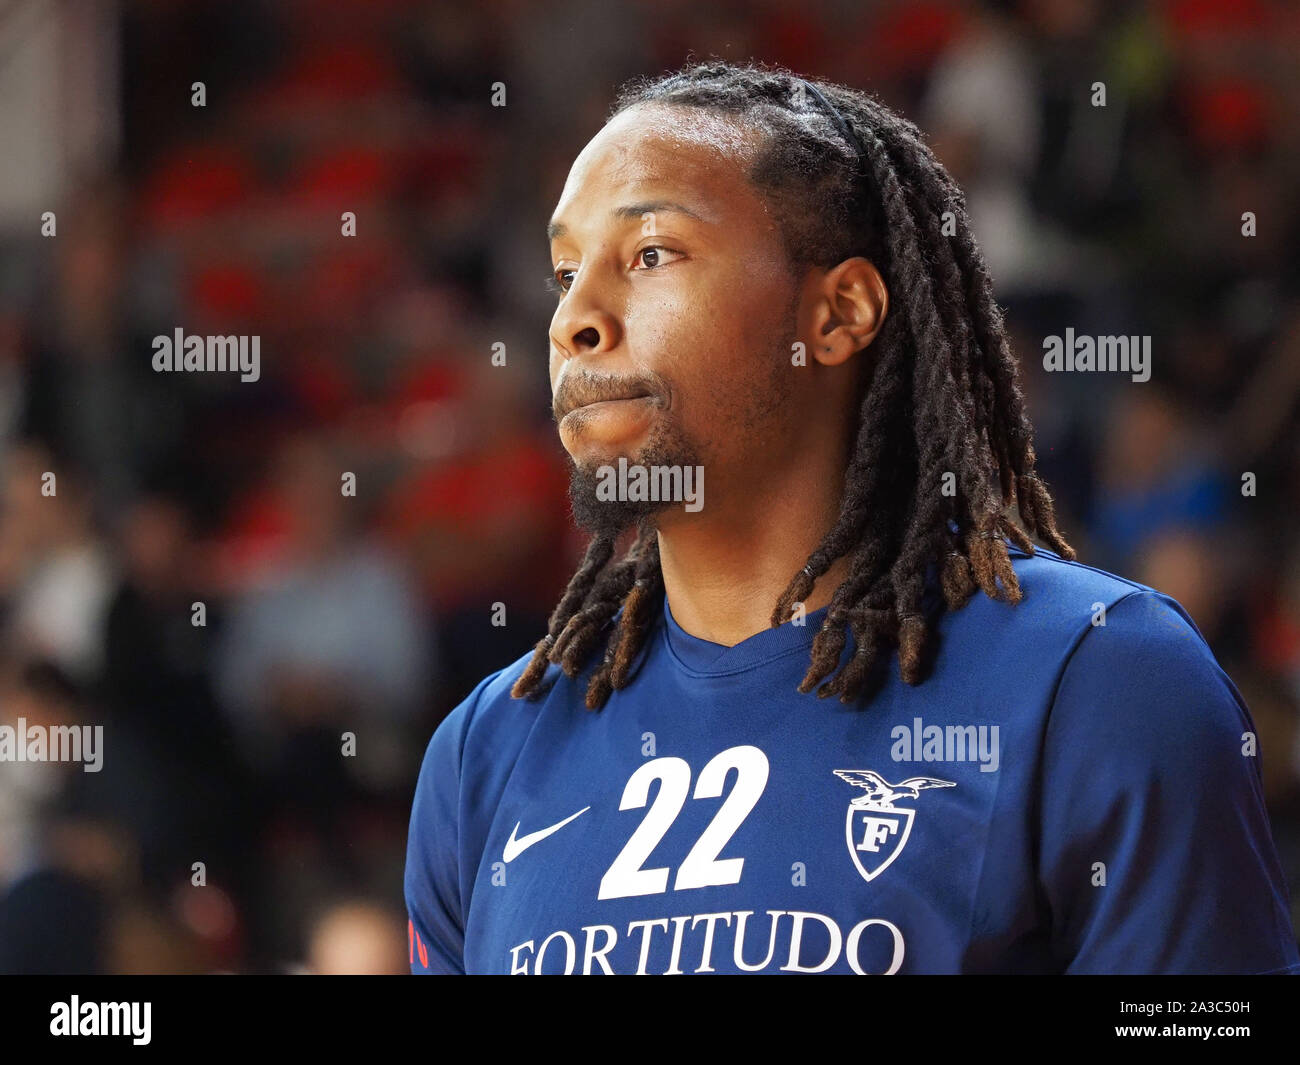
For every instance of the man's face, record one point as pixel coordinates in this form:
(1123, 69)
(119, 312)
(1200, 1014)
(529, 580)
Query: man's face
(671, 342)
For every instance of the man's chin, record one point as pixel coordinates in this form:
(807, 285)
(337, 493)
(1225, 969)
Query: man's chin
(601, 512)
(605, 517)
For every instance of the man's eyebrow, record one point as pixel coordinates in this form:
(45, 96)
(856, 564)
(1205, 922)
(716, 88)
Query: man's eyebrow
(555, 229)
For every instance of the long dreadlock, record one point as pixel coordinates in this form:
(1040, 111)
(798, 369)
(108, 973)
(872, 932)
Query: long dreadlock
(846, 176)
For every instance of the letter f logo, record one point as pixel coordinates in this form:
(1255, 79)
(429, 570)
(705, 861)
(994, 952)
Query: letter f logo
(876, 831)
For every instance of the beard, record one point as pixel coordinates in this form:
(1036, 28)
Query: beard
(668, 446)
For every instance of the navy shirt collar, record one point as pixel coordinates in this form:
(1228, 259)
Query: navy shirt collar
(704, 657)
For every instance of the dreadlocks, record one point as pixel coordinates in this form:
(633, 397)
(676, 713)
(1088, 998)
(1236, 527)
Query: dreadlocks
(845, 176)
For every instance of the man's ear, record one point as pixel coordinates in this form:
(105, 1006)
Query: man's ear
(845, 308)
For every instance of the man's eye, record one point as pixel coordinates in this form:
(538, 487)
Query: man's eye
(651, 257)
(656, 252)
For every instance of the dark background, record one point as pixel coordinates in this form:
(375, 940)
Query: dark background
(372, 614)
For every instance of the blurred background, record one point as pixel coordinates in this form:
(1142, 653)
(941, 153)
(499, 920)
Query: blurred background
(373, 614)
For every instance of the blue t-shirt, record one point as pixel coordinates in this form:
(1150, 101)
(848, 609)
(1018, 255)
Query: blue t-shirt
(1075, 787)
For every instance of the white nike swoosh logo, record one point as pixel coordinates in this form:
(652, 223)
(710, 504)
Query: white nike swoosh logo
(515, 847)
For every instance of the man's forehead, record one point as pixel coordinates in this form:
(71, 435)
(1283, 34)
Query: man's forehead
(668, 148)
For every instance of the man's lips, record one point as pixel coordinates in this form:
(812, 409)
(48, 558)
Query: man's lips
(595, 405)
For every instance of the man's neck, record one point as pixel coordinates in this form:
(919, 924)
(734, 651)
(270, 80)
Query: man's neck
(723, 575)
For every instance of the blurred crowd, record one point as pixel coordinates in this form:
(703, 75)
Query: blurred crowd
(201, 582)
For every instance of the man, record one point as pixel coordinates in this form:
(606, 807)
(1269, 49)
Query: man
(772, 282)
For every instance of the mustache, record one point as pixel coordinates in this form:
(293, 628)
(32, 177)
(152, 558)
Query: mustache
(582, 387)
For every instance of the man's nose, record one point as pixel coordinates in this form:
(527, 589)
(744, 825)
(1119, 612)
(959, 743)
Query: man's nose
(584, 323)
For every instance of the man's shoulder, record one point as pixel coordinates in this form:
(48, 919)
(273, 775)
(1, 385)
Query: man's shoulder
(496, 686)
(491, 711)
(1060, 579)
(1127, 645)
(1070, 615)
(1065, 600)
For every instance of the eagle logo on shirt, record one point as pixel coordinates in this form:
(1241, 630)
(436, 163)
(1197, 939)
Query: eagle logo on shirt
(875, 829)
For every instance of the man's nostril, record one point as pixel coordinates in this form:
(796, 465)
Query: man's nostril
(587, 338)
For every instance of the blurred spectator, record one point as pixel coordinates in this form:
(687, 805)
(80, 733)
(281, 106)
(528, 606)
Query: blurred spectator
(357, 939)
(55, 573)
(157, 692)
(1153, 476)
(330, 640)
(56, 899)
(1184, 563)
(980, 113)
